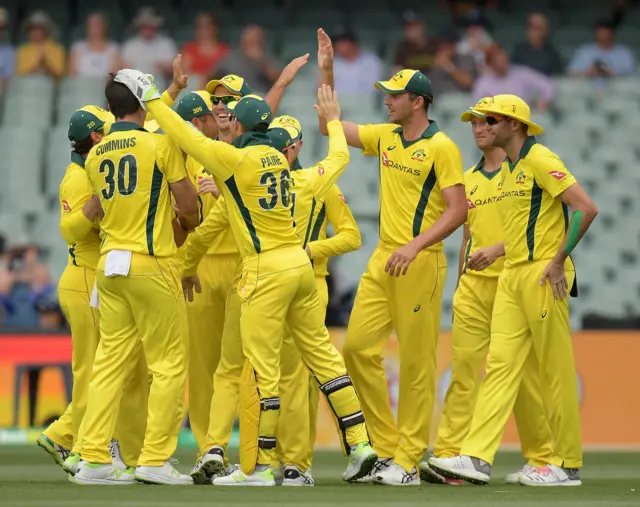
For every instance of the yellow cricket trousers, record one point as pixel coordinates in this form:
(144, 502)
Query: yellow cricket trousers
(206, 322)
(299, 395)
(526, 317)
(472, 309)
(411, 305)
(146, 306)
(74, 292)
(279, 287)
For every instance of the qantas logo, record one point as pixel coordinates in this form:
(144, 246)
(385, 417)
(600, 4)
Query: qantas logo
(65, 206)
(320, 169)
(557, 175)
(342, 198)
(394, 165)
(470, 204)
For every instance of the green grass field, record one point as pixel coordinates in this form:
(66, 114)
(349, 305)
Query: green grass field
(29, 478)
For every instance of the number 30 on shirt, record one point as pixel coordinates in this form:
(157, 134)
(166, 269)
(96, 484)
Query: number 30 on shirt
(127, 177)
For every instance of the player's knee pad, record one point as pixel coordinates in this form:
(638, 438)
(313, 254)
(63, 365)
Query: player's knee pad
(343, 401)
(258, 420)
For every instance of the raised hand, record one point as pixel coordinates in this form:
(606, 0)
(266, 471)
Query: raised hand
(289, 73)
(325, 51)
(179, 78)
(328, 107)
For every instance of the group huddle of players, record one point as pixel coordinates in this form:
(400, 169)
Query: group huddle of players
(198, 250)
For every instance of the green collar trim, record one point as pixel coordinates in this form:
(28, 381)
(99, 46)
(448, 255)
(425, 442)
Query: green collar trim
(123, 126)
(76, 158)
(524, 151)
(251, 139)
(480, 168)
(431, 130)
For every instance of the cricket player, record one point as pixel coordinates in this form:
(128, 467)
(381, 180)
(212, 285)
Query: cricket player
(422, 201)
(480, 265)
(132, 171)
(207, 111)
(531, 309)
(257, 194)
(80, 228)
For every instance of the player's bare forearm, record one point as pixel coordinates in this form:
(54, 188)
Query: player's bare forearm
(274, 96)
(326, 78)
(584, 213)
(454, 216)
(179, 234)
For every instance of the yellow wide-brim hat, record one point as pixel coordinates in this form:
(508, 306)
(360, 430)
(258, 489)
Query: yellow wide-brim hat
(511, 106)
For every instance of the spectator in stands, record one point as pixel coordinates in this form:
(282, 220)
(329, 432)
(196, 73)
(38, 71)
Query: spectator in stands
(417, 50)
(94, 56)
(452, 72)
(475, 38)
(355, 70)
(41, 54)
(149, 51)
(537, 52)
(251, 61)
(500, 77)
(7, 51)
(24, 282)
(604, 58)
(202, 55)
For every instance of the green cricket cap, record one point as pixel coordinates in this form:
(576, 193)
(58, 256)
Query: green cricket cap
(194, 104)
(283, 137)
(407, 80)
(251, 111)
(82, 123)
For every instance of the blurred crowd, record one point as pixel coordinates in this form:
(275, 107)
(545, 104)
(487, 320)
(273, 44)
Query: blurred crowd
(461, 58)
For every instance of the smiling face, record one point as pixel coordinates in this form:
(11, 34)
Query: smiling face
(482, 133)
(219, 110)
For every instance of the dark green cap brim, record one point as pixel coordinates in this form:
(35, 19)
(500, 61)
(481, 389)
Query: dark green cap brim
(192, 106)
(82, 123)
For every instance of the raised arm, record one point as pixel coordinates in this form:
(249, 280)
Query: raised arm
(217, 157)
(347, 236)
(288, 74)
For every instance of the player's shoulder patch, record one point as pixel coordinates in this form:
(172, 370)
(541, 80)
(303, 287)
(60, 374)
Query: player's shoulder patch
(65, 206)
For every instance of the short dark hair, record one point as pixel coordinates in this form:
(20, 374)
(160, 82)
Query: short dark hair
(83, 146)
(260, 127)
(121, 100)
(427, 100)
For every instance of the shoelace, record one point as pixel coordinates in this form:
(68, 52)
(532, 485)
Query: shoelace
(63, 452)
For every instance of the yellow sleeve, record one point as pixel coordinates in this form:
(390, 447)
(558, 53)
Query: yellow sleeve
(552, 175)
(75, 191)
(217, 157)
(347, 235)
(370, 137)
(166, 99)
(448, 164)
(324, 174)
(201, 238)
(173, 162)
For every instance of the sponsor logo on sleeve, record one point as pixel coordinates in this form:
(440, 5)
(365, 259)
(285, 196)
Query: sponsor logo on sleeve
(65, 206)
(559, 175)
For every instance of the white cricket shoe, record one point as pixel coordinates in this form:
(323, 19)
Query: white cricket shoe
(57, 452)
(514, 478)
(116, 455)
(362, 459)
(70, 465)
(164, 474)
(427, 474)
(209, 466)
(261, 476)
(101, 474)
(227, 471)
(464, 468)
(293, 476)
(552, 475)
(395, 475)
(379, 466)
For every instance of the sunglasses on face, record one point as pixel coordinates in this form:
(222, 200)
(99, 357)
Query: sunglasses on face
(493, 120)
(226, 99)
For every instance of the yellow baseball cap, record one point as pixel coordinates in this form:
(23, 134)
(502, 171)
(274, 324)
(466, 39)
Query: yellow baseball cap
(286, 121)
(514, 107)
(407, 80)
(235, 84)
(471, 112)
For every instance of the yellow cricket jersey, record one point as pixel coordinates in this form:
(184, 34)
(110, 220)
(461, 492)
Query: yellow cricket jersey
(485, 227)
(346, 236)
(412, 177)
(224, 242)
(534, 219)
(130, 171)
(310, 185)
(256, 182)
(81, 234)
